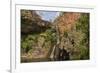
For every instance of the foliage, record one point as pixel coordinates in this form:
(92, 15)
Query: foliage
(75, 40)
(83, 26)
(29, 41)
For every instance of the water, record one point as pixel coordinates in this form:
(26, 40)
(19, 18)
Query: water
(23, 60)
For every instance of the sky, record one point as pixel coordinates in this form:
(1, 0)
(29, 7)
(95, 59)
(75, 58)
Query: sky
(48, 15)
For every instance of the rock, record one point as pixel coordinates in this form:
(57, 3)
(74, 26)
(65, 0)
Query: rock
(31, 22)
(66, 21)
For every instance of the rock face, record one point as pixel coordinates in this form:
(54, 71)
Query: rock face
(31, 22)
(66, 21)
(72, 30)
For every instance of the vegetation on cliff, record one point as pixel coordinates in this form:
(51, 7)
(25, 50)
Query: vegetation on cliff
(39, 37)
